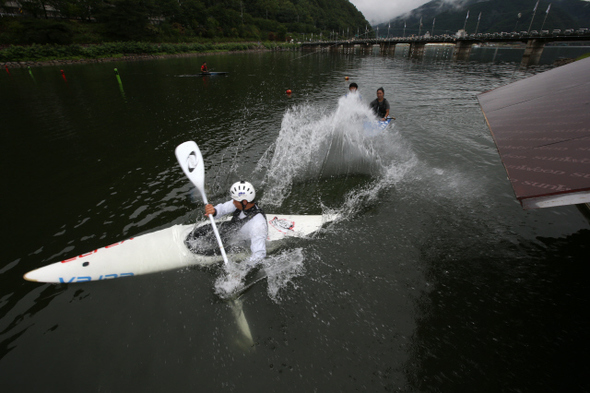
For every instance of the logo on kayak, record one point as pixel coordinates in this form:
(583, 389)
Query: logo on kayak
(89, 278)
(192, 162)
(282, 224)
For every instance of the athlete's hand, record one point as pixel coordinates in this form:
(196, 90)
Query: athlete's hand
(209, 209)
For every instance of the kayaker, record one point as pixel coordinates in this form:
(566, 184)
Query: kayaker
(248, 223)
(204, 69)
(353, 89)
(380, 105)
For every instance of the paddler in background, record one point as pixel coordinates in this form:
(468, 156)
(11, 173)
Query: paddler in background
(204, 69)
(353, 89)
(380, 105)
(248, 223)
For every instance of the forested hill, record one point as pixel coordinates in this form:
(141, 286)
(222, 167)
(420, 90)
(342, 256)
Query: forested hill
(496, 16)
(88, 21)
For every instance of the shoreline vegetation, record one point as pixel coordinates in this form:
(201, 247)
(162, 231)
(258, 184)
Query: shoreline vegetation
(41, 55)
(50, 54)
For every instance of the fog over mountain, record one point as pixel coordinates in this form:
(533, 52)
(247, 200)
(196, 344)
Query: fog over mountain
(446, 17)
(378, 11)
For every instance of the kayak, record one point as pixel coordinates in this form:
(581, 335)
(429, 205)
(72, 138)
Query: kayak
(201, 74)
(376, 127)
(160, 251)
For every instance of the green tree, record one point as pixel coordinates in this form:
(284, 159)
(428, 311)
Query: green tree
(282, 33)
(36, 8)
(126, 20)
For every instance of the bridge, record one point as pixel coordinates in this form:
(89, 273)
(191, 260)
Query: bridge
(535, 43)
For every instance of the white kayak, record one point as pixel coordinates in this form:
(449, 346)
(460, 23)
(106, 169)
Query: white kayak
(159, 251)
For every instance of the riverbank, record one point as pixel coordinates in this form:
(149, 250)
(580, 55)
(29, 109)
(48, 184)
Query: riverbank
(50, 55)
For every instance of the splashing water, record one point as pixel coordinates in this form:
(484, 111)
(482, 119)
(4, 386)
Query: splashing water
(282, 269)
(318, 143)
(228, 284)
(279, 269)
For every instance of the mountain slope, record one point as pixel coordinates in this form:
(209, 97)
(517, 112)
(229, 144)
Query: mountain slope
(496, 15)
(88, 21)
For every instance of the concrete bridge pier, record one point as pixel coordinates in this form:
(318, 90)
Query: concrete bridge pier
(532, 52)
(366, 48)
(387, 48)
(462, 51)
(417, 50)
(348, 48)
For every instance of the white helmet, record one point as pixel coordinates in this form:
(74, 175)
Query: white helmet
(242, 190)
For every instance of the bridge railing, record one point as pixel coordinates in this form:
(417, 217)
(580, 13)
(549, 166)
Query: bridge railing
(555, 35)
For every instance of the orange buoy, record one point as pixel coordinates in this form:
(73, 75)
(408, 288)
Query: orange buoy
(345, 78)
(289, 91)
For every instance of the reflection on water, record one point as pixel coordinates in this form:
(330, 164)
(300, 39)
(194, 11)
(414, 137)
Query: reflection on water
(512, 317)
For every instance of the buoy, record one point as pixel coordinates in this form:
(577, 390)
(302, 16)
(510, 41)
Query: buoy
(120, 83)
(31, 73)
(345, 78)
(289, 92)
(63, 75)
(7, 69)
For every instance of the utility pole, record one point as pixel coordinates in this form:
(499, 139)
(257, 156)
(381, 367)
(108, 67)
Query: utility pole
(478, 19)
(465, 24)
(546, 13)
(432, 32)
(533, 18)
(517, 20)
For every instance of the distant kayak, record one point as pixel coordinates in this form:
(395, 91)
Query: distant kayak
(376, 127)
(212, 73)
(201, 74)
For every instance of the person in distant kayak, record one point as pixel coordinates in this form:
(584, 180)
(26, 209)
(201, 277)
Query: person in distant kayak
(380, 105)
(353, 89)
(204, 69)
(248, 223)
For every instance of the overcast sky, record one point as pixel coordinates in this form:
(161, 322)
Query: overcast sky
(378, 11)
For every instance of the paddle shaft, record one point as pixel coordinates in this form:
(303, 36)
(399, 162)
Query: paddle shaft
(214, 226)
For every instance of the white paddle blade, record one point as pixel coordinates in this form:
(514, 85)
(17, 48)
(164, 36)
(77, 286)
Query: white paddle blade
(191, 161)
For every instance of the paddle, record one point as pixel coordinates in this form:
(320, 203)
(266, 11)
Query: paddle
(191, 161)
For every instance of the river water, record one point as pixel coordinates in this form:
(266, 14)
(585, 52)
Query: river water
(433, 279)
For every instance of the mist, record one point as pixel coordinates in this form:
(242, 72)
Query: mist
(379, 11)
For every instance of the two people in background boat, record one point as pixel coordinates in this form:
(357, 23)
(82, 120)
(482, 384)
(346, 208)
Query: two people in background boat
(248, 224)
(204, 69)
(380, 105)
